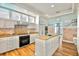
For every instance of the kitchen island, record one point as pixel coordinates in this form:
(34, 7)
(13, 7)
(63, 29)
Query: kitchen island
(47, 45)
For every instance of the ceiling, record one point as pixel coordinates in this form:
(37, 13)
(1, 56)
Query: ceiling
(45, 9)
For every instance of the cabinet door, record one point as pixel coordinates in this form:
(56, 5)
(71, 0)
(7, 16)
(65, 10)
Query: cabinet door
(3, 45)
(9, 24)
(32, 38)
(13, 43)
(15, 16)
(16, 42)
(10, 43)
(1, 23)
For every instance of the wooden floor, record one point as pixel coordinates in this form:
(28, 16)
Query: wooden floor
(29, 50)
(67, 49)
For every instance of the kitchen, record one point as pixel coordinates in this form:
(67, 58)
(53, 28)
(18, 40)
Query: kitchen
(27, 31)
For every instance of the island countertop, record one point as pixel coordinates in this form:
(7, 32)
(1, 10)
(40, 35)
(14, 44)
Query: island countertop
(46, 37)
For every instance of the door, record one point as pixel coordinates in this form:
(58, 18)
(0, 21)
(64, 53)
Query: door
(13, 42)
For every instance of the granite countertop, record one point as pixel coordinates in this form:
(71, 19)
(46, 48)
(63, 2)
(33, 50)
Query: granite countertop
(46, 37)
(8, 35)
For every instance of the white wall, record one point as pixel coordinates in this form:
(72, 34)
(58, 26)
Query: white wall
(78, 29)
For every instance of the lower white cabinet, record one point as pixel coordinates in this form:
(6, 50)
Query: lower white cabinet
(3, 45)
(9, 43)
(13, 42)
(46, 47)
(32, 38)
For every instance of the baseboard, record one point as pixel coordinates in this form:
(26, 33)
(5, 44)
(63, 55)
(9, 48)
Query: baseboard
(68, 41)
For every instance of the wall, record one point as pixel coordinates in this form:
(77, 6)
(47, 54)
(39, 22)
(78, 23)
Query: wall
(78, 29)
(64, 20)
(6, 31)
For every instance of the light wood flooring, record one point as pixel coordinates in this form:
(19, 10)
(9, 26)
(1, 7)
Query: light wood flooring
(68, 49)
(29, 50)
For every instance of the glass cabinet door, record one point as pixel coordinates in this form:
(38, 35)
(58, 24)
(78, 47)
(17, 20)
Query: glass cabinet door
(24, 18)
(15, 16)
(31, 19)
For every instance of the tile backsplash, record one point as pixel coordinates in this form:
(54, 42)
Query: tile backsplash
(6, 31)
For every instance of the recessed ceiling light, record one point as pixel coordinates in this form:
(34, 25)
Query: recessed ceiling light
(52, 5)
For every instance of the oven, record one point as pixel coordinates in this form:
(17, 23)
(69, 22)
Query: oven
(24, 40)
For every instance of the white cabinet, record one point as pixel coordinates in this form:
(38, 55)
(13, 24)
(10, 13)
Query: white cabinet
(13, 42)
(9, 43)
(3, 45)
(32, 38)
(7, 23)
(1, 23)
(15, 16)
(31, 19)
(24, 18)
(46, 47)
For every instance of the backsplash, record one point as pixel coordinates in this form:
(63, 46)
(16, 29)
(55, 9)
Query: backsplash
(6, 31)
(22, 29)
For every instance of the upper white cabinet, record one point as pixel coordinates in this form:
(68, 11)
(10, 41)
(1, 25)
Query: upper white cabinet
(31, 19)
(18, 15)
(24, 18)
(1, 23)
(15, 16)
(7, 23)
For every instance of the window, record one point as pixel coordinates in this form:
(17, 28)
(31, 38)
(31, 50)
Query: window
(4, 13)
(31, 19)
